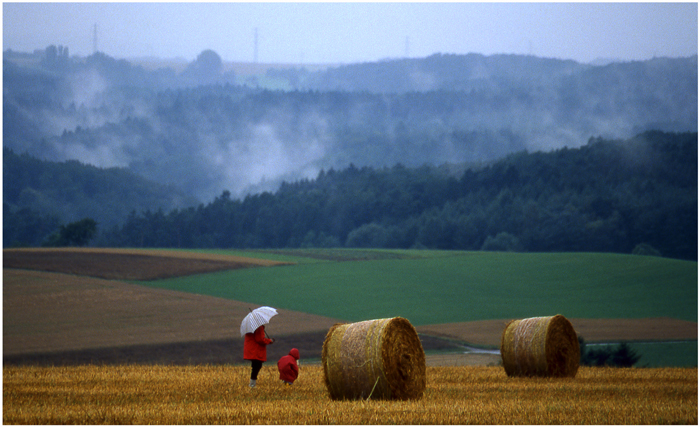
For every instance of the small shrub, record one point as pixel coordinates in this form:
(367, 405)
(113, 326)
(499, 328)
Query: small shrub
(503, 241)
(74, 234)
(645, 249)
(370, 235)
(624, 356)
(621, 356)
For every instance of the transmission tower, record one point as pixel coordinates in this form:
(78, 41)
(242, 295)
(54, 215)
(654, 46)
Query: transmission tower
(255, 51)
(94, 39)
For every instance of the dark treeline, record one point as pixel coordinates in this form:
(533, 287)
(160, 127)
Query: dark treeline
(637, 195)
(39, 196)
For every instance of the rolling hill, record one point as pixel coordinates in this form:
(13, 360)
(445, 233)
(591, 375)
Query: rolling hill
(59, 318)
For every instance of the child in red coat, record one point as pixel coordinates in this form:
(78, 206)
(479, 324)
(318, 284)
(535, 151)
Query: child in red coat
(287, 365)
(255, 350)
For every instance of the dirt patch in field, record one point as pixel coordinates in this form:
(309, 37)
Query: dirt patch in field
(125, 264)
(340, 255)
(47, 312)
(60, 319)
(488, 332)
(463, 359)
(202, 352)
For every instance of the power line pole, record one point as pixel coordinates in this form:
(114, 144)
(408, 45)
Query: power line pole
(255, 52)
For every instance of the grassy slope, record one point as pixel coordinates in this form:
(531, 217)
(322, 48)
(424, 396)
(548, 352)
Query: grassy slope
(443, 287)
(662, 354)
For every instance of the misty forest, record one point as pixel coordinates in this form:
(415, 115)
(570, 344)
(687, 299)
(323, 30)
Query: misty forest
(473, 152)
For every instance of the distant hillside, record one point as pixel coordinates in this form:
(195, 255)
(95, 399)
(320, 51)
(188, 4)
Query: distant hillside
(206, 129)
(445, 72)
(626, 196)
(39, 195)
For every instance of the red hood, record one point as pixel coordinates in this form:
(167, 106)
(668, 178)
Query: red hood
(294, 353)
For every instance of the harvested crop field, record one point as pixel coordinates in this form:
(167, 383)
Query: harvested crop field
(125, 264)
(197, 395)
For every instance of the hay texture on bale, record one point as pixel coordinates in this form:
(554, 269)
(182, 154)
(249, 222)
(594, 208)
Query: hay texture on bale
(378, 359)
(540, 346)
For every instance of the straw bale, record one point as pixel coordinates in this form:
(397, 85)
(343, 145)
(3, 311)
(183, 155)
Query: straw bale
(540, 346)
(381, 359)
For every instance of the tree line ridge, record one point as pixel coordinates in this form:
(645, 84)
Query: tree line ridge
(618, 196)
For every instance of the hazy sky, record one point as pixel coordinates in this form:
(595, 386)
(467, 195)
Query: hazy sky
(356, 32)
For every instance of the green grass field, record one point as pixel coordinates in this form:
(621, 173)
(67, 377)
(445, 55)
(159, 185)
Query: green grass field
(430, 287)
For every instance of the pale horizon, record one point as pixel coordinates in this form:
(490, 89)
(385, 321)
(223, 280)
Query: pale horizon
(337, 33)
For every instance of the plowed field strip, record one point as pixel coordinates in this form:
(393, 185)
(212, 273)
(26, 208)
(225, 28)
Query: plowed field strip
(125, 264)
(49, 312)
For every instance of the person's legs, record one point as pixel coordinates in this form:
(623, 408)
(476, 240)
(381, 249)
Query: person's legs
(256, 365)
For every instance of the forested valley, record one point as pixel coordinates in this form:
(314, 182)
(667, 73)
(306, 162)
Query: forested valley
(637, 195)
(205, 130)
(501, 152)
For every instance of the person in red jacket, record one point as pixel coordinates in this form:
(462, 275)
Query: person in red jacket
(255, 350)
(287, 365)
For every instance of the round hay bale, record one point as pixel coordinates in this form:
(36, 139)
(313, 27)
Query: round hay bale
(381, 359)
(540, 346)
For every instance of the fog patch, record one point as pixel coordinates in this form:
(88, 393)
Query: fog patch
(422, 81)
(263, 159)
(102, 156)
(87, 86)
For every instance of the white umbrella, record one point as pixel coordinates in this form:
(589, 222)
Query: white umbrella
(256, 318)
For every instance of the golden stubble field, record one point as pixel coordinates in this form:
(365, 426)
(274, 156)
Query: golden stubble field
(161, 394)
